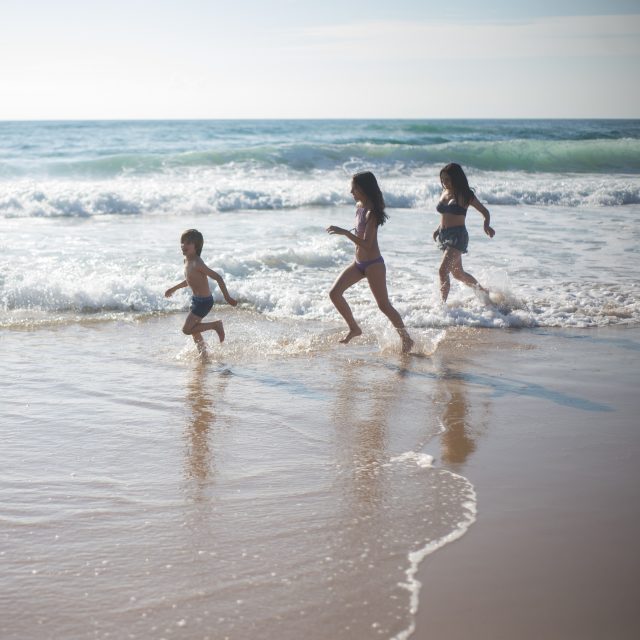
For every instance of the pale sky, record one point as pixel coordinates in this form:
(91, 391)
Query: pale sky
(115, 59)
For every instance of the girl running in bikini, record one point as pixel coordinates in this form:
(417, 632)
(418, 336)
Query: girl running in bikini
(368, 263)
(452, 236)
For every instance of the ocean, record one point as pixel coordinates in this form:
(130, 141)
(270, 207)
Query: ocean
(288, 485)
(92, 213)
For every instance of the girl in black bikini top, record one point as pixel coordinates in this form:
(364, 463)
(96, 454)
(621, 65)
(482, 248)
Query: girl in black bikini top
(451, 235)
(451, 207)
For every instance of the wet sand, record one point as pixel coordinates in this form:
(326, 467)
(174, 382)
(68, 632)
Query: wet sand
(284, 488)
(553, 554)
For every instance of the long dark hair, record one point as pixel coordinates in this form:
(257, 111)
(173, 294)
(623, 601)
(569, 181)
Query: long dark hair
(461, 190)
(367, 183)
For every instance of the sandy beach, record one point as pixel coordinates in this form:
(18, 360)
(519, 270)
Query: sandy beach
(147, 494)
(552, 554)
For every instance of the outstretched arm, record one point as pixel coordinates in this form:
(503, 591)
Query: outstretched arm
(476, 204)
(214, 275)
(169, 292)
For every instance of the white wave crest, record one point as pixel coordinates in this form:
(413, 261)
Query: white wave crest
(209, 191)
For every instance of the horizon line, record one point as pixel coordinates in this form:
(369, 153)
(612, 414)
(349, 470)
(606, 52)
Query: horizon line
(311, 119)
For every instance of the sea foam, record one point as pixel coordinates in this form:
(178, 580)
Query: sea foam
(205, 192)
(92, 213)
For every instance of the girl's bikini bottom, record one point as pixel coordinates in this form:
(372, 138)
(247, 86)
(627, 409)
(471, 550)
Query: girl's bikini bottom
(362, 266)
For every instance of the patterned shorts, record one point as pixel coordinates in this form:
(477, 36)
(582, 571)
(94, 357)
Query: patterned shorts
(455, 237)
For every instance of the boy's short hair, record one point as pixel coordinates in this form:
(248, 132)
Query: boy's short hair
(195, 237)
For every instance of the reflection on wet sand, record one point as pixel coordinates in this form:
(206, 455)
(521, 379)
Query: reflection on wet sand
(360, 415)
(204, 389)
(456, 442)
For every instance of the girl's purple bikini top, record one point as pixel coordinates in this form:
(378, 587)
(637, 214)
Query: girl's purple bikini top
(361, 221)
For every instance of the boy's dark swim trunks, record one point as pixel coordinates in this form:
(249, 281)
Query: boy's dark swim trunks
(201, 305)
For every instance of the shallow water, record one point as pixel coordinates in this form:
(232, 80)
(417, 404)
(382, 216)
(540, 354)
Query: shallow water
(149, 492)
(562, 267)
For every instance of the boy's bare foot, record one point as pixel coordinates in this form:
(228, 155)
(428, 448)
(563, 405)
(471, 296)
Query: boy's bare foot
(219, 329)
(352, 334)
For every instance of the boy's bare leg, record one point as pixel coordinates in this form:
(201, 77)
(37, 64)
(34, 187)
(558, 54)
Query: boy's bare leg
(213, 326)
(194, 325)
(346, 279)
(200, 343)
(190, 324)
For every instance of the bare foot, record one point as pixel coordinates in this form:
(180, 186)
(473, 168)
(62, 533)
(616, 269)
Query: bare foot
(352, 334)
(407, 343)
(484, 295)
(219, 329)
(481, 290)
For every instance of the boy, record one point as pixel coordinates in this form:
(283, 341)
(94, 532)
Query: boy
(196, 272)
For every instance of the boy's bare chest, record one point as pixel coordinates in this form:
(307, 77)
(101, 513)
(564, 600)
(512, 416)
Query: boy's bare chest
(191, 272)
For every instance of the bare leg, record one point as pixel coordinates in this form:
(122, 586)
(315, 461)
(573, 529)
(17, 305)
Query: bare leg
(346, 279)
(377, 277)
(200, 343)
(211, 326)
(445, 268)
(194, 325)
(460, 274)
(452, 264)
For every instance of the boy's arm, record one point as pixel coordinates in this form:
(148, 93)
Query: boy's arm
(476, 204)
(172, 290)
(218, 278)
